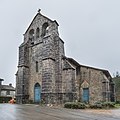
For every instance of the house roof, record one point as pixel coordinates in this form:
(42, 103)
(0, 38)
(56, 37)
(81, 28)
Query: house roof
(106, 72)
(7, 87)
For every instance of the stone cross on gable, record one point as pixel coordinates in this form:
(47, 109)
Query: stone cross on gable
(39, 10)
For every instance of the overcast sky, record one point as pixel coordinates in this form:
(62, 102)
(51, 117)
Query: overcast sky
(89, 28)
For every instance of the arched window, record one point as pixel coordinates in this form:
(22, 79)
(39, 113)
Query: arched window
(37, 33)
(44, 29)
(31, 35)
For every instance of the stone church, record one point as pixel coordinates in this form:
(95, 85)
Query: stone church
(46, 75)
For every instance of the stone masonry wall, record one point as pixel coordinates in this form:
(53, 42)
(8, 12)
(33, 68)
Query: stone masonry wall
(45, 51)
(92, 79)
(59, 52)
(35, 55)
(69, 81)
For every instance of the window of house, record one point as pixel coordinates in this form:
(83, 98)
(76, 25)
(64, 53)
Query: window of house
(36, 66)
(8, 92)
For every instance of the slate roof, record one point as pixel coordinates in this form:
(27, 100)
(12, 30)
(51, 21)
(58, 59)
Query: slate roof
(7, 87)
(71, 60)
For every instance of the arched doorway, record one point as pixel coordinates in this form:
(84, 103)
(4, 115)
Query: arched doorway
(37, 93)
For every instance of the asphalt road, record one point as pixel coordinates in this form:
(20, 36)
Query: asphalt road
(36, 112)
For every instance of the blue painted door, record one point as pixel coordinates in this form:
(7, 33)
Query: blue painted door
(85, 96)
(37, 93)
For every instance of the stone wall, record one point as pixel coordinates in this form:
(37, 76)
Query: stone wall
(4, 93)
(94, 80)
(35, 55)
(59, 52)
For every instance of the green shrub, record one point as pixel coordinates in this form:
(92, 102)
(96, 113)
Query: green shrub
(117, 105)
(75, 105)
(5, 99)
(101, 105)
(108, 105)
(81, 105)
(96, 106)
(117, 102)
(68, 105)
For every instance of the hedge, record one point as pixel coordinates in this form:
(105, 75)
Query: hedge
(75, 105)
(97, 105)
(102, 105)
(5, 99)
